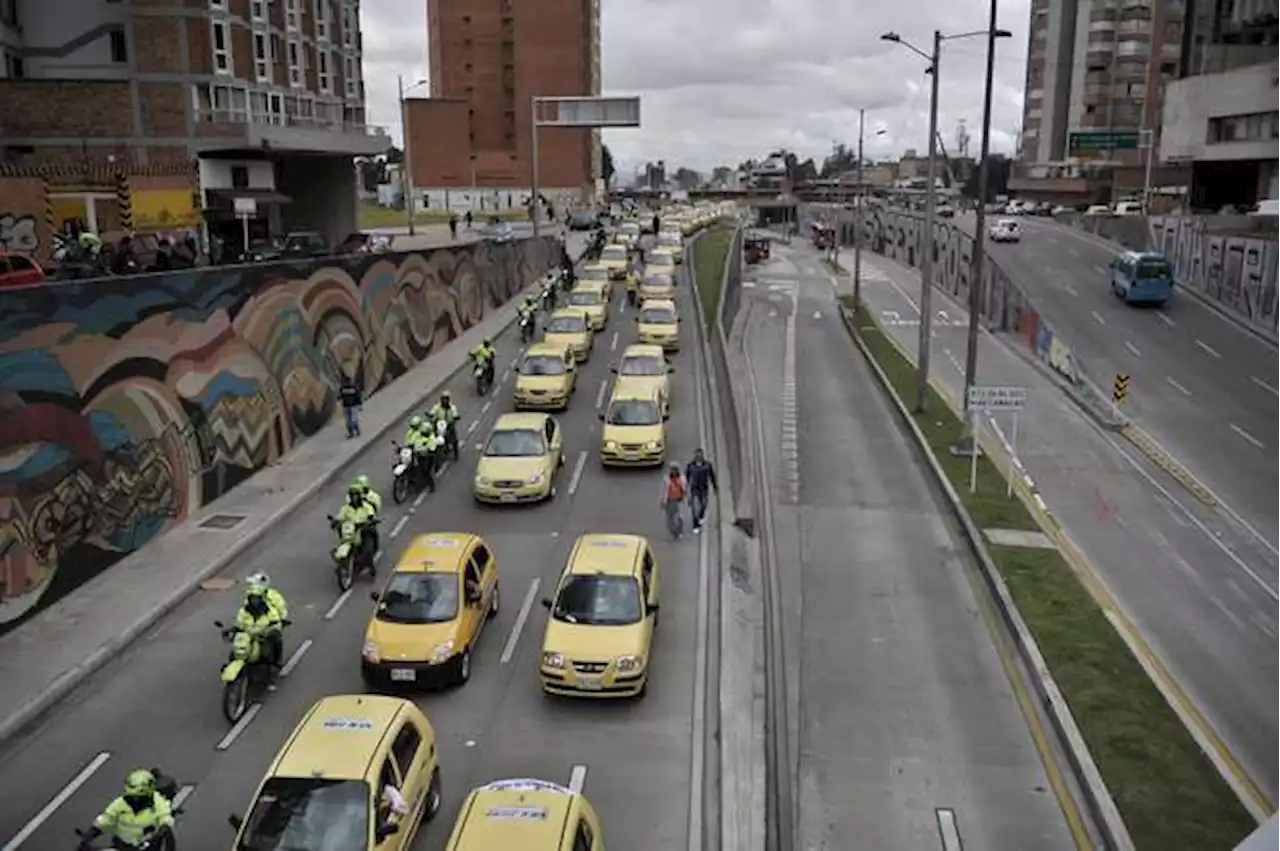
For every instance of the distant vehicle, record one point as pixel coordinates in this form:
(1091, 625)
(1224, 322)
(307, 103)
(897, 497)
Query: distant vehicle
(1098, 210)
(945, 211)
(263, 251)
(364, 243)
(1005, 230)
(583, 220)
(1142, 277)
(1270, 207)
(304, 244)
(1129, 208)
(1061, 210)
(499, 232)
(18, 270)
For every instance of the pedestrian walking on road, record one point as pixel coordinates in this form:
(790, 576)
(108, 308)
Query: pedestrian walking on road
(469, 220)
(701, 476)
(673, 493)
(453, 226)
(349, 393)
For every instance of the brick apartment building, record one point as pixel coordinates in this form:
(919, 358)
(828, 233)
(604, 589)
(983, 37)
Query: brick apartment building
(470, 141)
(196, 102)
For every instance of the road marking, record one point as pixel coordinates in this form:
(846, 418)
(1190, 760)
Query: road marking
(1176, 386)
(419, 499)
(296, 658)
(1070, 290)
(604, 388)
(245, 720)
(337, 604)
(181, 798)
(509, 649)
(1257, 443)
(1202, 344)
(1133, 349)
(1074, 252)
(577, 779)
(948, 831)
(471, 428)
(578, 467)
(1261, 622)
(57, 801)
(1100, 270)
(506, 373)
(1165, 318)
(1098, 318)
(1226, 611)
(1264, 385)
(613, 341)
(484, 409)
(396, 529)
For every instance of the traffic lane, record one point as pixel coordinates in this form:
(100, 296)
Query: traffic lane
(891, 630)
(1193, 585)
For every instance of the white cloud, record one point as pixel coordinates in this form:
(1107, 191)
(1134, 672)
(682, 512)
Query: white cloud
(724, 80)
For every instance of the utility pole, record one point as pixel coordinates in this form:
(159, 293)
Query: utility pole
(857, 218)
(533, 166)
(406, 169)
(930, 208)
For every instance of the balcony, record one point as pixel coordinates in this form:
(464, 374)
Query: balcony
(239, 128)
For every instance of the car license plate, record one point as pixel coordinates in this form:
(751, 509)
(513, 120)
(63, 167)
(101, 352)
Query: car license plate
(403, 675)
(590, 683)
(508, 497)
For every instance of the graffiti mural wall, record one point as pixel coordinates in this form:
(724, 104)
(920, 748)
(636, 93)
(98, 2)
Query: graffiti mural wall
(18, 233)
(128, 403)
(1237, 272)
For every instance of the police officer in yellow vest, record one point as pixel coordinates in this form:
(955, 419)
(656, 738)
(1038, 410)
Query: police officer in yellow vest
(137, 814)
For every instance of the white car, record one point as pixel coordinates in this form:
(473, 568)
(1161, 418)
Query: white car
(1005, 230)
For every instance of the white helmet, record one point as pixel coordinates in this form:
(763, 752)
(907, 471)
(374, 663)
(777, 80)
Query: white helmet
(259, 579)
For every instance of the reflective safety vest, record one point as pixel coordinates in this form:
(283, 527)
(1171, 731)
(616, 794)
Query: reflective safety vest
(258, 626)
(119, 820)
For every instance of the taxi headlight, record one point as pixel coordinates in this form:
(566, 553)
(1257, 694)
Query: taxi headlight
(627, 664)
(611, 444)
(442, 651)
(552, 660)
(371, 653)
(535, 478)
(654, 444)
(483, 481)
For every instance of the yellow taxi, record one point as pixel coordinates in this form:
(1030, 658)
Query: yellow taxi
(526, 814)
(546, 378)
(325, 787)
(442, 592)
(520, 460)
(672, 241)
(570, 327)
(660, 261)
(615, 258)
(590, 298)
(596, 274)
(658, 288)
(658, 323)
(634, 434)
(644, 367)
(603, 615)
(630, 230)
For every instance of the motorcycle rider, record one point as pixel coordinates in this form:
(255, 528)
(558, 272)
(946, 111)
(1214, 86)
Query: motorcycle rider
(420, 442)
(484, 355)
(131, 818)
(528, 313)
(374, 501)
(260, 620)
(444, 411)
(357, 510)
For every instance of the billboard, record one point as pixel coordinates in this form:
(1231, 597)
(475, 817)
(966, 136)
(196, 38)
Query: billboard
(587, 111)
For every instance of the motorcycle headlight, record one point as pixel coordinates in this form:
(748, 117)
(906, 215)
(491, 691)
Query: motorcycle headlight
(552, 660)
(654, 444)
(442, 651)
(627, 664)
(371, 653)
(406, 455)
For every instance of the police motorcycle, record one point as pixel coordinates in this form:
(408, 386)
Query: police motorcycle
(447, 434)
(247, 672)
(412, 471)
(482, 372)
(528, 325)
(550, 291)
(354, 553)
(160, 838)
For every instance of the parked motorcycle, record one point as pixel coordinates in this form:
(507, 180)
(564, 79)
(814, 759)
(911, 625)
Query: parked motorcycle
(159, 840)
(408, 473)
(247, 672)
(353, 553)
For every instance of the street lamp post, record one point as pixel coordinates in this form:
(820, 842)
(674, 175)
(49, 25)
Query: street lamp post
(859, 209)
(406, 176)
(533, 166)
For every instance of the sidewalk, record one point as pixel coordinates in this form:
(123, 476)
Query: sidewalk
(45, 658)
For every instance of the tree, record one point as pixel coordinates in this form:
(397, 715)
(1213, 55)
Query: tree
(687, 178)
(998, 167)
(606, 165)
(394, 155)
(807, 170)
(721, 174)
(841, 159)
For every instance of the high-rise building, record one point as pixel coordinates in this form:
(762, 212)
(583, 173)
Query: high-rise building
(470, 143)
(258, 100)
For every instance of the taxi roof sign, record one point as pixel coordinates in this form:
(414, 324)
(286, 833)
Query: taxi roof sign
(524, 784)
(347, 724)
(517, 813)
(607, 542)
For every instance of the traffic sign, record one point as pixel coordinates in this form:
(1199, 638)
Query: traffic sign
(997, 398)
(1120, 387)
(1096, 141)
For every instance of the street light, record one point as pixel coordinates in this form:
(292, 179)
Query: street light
(857, 215)
(930, 204)
(407, 176)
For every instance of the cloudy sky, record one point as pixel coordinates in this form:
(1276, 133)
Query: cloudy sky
(721, 81)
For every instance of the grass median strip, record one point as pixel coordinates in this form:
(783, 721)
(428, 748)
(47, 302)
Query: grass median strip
(1168, 792)
(374, 216)
(710, 253)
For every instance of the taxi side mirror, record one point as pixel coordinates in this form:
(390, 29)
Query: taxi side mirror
(601, 416)
(235, 821)
(653, 608)
(670, 369)
(386, 830)
(374, 596)
(613, 368)
(546, 603)
(666, 417)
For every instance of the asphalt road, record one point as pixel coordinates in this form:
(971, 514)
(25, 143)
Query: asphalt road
(1203, 387)
(159, 703)
(904, 708)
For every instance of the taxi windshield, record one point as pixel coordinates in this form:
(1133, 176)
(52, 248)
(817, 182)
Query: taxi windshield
(566, 325)
(419, 598)
(542, 365)
(614, 253)
(658, 316)
(630, 227)
(598, 600)
(661, 260)
(658, 281)
(515, 443)
(633, 412)
(584, 298)
(308, 812)
(642, 366)
(594, 273)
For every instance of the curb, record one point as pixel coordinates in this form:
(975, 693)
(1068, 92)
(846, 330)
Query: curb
(1098, 800)
(1162, 459)
(69, 679)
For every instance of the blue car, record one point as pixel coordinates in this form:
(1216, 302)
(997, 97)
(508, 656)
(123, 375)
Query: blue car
(1142, 277)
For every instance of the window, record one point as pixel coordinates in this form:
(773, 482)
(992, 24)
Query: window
(322, 70)
(583, 839)
(291, 15)
(119, 50)
(353, 80)
(261, 56)
(405, 747)
(258, 10)
(221, 47)
(322, 20)
(1256, 127)
(295, 64)
(348, 27)
(239, 177)
(482, 556)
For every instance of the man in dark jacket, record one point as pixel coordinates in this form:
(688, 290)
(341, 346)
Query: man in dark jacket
(349, 394)
(701, 477)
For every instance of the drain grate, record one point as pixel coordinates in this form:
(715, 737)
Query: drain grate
(223, 522)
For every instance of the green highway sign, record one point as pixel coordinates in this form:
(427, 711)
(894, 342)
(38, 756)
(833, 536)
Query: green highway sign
(1092, 142)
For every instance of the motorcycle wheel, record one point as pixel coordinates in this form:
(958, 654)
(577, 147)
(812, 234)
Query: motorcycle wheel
(235, 697)
(400, 489)
(345, 573)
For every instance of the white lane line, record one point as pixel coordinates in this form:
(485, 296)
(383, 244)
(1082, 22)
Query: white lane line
(578, 467)
(181, 798)
(419, 499)
(1133, 349)
(1222, 607)
(245, 720)
(1258, 444)
(1208, 349)
(1070, 290)
(1165, 318)
(296, 658)
(57, 801)
(577, 779)
(1176, 386)
(613, 341)
(337, 604)
(514, 361)
(1261, 622)
(396, 529)
(1100, 270)
(509, 649)
(1074, 252)
(1098, 318)
(604, 388)
(1264, 385)
(506, 373)
(471, 428)
(484, 409)
(949, 831)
